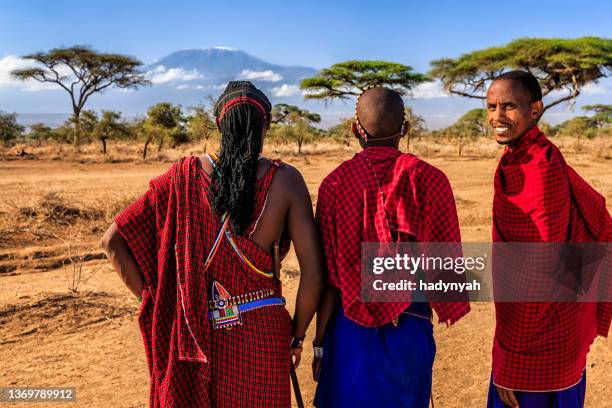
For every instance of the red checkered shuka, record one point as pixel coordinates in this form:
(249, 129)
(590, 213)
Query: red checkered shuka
(377, 193)
(538, 198)
(170, 231)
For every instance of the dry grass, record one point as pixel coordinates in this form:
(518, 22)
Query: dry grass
(125, 151)
(54, 210)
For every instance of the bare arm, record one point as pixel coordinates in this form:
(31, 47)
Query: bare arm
(326, 308)
(307, 244)
(122, 260)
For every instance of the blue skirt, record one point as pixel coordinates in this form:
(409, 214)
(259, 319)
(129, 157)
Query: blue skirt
(570, 398)
(385, 366)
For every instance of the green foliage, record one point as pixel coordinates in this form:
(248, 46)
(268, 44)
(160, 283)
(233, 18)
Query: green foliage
(559, 64)
(40, 132)
(578, 126)
(468, 127)
(291, 124)
(602, 114)
(166, 121)
(342, 132)
(110, 126)
(417, 126)
(201, 125)
(283, 113)
(9, 128)
(351, 78)
(89, 72)
(298, 132)
(473, 123)
(547, 128)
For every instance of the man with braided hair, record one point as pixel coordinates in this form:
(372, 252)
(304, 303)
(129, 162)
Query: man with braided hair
(379, 354)
(196, 247)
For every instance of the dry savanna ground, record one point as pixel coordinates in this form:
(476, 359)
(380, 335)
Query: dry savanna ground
(66, 319)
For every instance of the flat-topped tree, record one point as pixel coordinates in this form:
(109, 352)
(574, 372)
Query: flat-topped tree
(110, 126)
(564, 65)
(351, 78)
(602, 114)
(82, 72)
(284, 113)
(296, 124)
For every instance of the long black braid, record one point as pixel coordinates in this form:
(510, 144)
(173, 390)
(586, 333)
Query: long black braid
(235, 181)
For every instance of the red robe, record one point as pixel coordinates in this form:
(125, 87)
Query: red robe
(191, 365)
(380, 192)
(539, 198)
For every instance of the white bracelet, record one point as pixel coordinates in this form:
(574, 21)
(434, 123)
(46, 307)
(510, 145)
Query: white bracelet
(318, 352)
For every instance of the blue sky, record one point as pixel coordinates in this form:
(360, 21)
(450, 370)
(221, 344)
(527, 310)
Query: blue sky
(309, 33)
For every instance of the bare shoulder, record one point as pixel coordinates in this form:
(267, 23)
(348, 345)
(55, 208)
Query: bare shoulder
(290, 181)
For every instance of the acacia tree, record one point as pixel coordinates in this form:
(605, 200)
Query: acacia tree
(417, 125)
(342, 132)
(296, 123)
(578, 126)
(82, 72)
(351, 78)
(602, 114)
(201, 124)
(9, 128)
(40, 132)
(284, 113)
(165, 120)
(469, 126)
(110, 126)
(562, 65)
(87, 122)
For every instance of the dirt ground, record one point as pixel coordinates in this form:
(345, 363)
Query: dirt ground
(53, 212)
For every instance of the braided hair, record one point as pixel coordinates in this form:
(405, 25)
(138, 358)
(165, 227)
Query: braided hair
(242, 113)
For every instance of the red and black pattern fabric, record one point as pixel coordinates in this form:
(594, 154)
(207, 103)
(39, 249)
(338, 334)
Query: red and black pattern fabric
(382, 195)
(170, 230)
(538, 198)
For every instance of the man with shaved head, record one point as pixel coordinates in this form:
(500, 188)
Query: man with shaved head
(540, 348)
(378, 353)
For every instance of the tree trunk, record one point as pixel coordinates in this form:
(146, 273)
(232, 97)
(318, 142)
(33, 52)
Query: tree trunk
(299, 146)
(408, 142)
(103, 145)
(460, 145)
(77, 130)
(160, 145)
(144, 153)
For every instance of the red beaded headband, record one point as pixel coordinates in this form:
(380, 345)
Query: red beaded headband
(239, 101)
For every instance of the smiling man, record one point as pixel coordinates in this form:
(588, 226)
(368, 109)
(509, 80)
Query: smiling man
(540, 349)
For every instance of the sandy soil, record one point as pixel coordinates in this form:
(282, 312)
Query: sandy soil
(52, 213)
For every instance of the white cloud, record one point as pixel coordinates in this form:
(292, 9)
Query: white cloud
(429, 90)
(182, 87)
(593, 89)
(285, 90)
(267, 75)
(161, 75)
(12, 62)
(221, 47)
(588, 89)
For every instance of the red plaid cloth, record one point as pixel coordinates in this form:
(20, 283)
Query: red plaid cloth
(172, 225)
(539, 198)
(381, 192)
